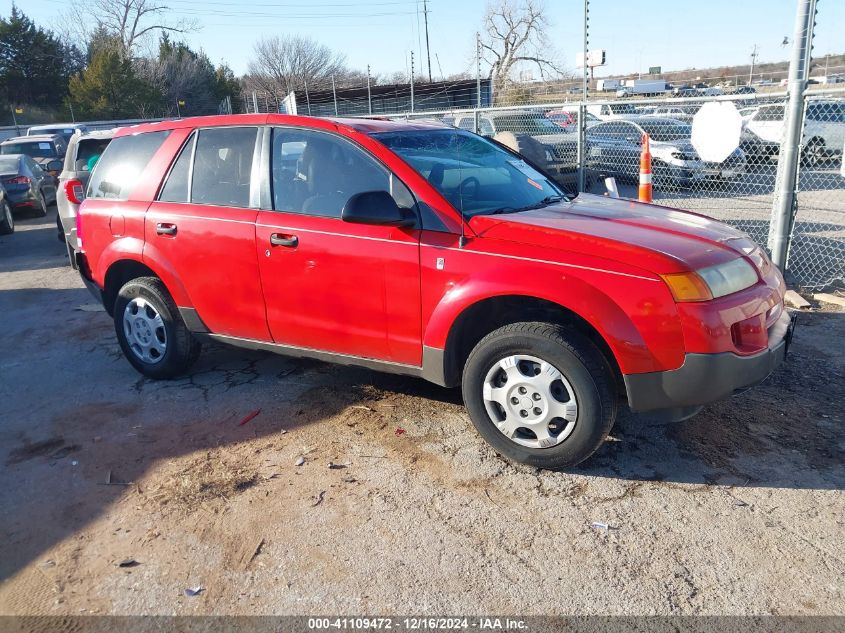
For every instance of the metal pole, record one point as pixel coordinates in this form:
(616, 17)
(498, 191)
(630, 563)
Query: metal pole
(254, 102)
(307, 98)
(478, 68)
(73, 118)
(582, 110)
(369, 94)
(178, 111)
(412, 81)
(427, 50)
(783, 207)
(753, 59)
(334, 94)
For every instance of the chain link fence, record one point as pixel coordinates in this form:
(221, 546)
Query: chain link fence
(739, 190)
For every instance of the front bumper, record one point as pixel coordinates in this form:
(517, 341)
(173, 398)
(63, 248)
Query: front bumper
(706, 378)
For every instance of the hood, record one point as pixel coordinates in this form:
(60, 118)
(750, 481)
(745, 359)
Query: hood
(658, 239)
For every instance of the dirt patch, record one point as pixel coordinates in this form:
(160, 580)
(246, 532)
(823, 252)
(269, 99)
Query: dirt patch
(211, 477)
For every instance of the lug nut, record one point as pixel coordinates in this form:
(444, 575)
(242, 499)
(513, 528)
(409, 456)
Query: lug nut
(523, 413)
(514, 400)
(522, 390)
(536, 396)
(537, 410)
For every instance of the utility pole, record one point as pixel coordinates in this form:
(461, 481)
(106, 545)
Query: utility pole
(753, 59)
(412, 81)
(369, 95)
(784, 205)
(427, 50)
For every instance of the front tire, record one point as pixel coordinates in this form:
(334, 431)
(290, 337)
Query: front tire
(151, 331)
(540, 394)
(7, 220)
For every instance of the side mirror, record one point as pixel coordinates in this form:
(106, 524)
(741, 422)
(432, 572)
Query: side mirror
(54, 165)
(375, 207)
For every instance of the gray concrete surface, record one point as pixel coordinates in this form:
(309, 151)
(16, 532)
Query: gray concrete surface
(736, 511)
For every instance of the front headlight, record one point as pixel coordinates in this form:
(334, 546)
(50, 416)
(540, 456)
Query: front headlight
(712, 282)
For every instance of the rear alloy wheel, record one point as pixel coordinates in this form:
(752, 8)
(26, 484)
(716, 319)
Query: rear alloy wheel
(7, 221)
(150, 330)
(815, 153)
(540, 394)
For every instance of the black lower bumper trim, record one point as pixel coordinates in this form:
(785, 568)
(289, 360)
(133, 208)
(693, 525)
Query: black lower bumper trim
(702, 379)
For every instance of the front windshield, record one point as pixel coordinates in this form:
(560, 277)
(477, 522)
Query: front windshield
(477, 176)
(40, 149)
(663, 130)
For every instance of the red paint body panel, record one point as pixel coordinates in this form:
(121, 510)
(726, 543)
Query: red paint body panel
(347, 288)
(380, 293)
(213, 253)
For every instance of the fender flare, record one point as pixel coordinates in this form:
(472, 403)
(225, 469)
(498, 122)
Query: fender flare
(587, 302)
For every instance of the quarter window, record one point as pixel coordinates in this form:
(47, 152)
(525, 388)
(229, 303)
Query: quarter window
(122, 163)
(315, 173)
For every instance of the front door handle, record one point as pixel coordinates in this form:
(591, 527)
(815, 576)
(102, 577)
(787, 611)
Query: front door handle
(165, 228)
(277, 239)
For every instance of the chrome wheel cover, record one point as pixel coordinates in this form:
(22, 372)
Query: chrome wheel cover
(530, 401)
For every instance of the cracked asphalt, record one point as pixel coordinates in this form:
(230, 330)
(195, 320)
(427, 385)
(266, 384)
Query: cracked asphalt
(398, 506)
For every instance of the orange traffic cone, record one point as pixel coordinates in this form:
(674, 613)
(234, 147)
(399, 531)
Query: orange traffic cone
(645, 171)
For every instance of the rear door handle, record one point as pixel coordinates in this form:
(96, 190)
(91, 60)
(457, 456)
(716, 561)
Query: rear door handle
(277, 239)
(165, 228)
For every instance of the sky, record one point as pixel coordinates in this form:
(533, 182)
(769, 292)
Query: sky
(635, 33)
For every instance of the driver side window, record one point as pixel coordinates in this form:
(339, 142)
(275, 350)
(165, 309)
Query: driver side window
(315, 173)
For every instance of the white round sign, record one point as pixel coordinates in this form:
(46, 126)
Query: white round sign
(716, 129)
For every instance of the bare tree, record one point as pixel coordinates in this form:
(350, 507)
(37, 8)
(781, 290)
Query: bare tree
(283, 64)
(130, 22)
(515, 33)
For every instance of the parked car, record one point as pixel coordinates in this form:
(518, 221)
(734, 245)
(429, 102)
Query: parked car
(532, 135)
(422, 250)
(745, 90)
(611, 111)
(567, 120)
(82, 154)
(48, 150)
(65, 130)
(614, 148)
(824, 129)
(678, 113)
(28, 187)
(7, 220)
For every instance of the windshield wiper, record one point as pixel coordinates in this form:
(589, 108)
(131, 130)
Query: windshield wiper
(537, 205)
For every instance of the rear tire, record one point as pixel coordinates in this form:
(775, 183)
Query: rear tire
(540, 394)
(151, 331)
(7, 220)
(41, 211)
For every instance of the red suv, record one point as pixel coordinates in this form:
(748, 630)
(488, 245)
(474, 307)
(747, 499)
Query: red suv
(429, 251)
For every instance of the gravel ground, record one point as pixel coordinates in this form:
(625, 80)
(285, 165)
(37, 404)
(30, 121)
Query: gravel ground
(399, 507)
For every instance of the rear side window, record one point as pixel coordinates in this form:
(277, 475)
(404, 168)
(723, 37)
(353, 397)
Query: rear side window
(88, 152)
(122, 163)
(223, 166)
